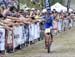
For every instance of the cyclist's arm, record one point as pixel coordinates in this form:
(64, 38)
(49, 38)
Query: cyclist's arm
(55, 25)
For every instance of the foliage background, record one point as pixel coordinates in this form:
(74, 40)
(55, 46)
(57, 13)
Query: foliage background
(31, 5)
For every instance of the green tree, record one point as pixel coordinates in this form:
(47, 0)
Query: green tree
(42, 2)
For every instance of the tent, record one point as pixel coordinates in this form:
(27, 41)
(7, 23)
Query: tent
(59, 7)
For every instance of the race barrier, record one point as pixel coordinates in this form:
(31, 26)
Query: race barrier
(2, 39)
(9, 40)
(22, 35)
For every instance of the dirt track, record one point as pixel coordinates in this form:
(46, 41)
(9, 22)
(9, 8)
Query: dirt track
(63, 46)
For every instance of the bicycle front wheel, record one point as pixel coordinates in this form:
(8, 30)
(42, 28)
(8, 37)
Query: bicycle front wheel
(49, 48)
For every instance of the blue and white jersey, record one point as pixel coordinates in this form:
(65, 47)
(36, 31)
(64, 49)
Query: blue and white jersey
(49, 23)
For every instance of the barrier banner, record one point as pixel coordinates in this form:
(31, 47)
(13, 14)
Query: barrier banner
(38, 30)
(2, 38)
(21, 34)
(31, 32)
(26, 28)
(34, 31)
(16, 37)
(9, 39)
(24, 33)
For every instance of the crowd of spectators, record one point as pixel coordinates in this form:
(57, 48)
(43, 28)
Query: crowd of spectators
(13, 13)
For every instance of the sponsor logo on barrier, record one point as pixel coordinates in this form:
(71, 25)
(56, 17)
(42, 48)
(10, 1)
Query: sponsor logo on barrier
(1, 34)
(16, 36)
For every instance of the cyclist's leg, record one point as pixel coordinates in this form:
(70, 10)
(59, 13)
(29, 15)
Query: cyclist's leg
(47, 33)
(48, 37)
(51, 37)
(46, 40)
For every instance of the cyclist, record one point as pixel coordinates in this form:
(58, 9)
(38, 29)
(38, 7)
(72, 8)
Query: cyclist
(48, 25)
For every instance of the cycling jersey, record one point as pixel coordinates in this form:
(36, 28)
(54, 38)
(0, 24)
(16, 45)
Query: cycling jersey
(49, 23)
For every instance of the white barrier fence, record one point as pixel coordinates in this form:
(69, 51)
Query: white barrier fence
(2, 38)
(19, 35)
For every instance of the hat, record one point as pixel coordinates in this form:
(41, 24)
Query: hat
(44, 11)
(27, 9)
(33, 9)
